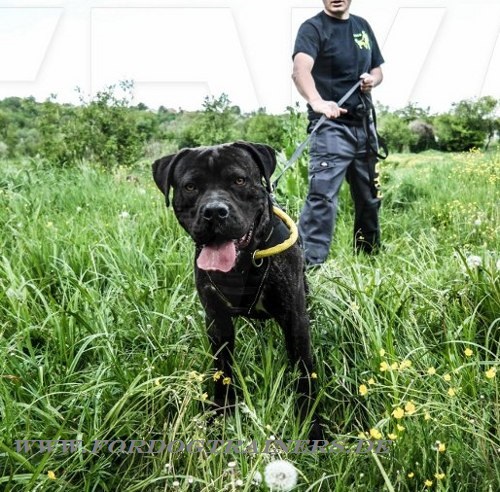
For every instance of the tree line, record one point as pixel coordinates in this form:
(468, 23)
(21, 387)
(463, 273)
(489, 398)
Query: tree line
(108, 129)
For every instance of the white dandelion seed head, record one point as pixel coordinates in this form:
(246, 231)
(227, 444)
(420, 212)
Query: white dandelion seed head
(280, 475)
(239, 482)
(477, 222)
(474, 261)
(257, 478)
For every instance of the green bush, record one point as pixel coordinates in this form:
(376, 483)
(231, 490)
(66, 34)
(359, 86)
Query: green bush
(396, 132)
(266, 128)
(470, 124)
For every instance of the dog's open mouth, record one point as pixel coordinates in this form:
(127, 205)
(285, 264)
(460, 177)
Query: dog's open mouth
(223, 256)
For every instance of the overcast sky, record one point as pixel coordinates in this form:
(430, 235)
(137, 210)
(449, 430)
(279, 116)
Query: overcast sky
(177, 52)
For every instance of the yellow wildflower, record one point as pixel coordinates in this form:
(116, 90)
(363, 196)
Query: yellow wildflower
(441, 447)
(218, 375)
(431, 371)
(400, 428)
(371, 381)
(405, 364)
(204, 396)
(411, 475)
(392, 436)
(51, 475)
(363, 390)
(447, 377)
(491, 373)
(452, 392)
(381, 352)
(196, 376)
(394, 366)
(375, 434)
(468, 352)
(440, 476)
(410, 408)
(384, 366)
(314, 375)
(398, 413)
(428, 483)
(226, 381)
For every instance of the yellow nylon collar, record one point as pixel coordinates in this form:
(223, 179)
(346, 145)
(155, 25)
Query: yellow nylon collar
(287, 243)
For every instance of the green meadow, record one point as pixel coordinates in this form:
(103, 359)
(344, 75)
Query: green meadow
(102, 337)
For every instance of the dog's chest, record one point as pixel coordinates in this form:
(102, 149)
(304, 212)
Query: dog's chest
(241, 290)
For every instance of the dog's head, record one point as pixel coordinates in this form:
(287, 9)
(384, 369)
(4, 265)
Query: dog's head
(220, 197)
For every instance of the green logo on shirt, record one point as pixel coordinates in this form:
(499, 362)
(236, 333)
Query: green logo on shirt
(362, 40)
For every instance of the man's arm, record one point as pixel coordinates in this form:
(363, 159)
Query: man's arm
(303, 79)
(371, 80)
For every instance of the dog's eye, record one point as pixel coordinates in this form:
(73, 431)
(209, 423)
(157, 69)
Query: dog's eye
(189, 187)
(240, 181)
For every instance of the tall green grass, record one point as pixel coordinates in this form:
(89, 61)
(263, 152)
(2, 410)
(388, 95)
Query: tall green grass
(103, 337)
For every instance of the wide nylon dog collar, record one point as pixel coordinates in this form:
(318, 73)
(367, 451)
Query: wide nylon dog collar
(283, 246)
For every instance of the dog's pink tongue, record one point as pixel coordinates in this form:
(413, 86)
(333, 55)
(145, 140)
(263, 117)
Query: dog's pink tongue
(221, 257)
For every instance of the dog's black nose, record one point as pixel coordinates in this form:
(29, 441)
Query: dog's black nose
(215, 210)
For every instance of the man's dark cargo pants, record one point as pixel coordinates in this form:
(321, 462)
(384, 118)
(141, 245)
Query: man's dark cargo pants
(339, 150)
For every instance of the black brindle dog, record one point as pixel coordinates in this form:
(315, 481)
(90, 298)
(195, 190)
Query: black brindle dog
(222, 199)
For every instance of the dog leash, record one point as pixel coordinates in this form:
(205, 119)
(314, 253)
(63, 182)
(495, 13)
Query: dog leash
(302, 146)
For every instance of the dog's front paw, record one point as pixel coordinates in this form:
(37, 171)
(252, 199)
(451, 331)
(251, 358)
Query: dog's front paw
(316, 432)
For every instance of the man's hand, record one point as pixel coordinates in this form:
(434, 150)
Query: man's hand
(329, 108)
(371, 80)
(368, 82)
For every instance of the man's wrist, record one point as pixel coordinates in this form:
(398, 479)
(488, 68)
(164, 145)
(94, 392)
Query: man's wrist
(315, 100)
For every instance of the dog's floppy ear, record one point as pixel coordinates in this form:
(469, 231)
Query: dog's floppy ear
(163, 171)
(264, 156)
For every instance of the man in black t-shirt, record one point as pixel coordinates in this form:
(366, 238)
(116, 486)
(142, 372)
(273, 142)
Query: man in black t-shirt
(333, 50)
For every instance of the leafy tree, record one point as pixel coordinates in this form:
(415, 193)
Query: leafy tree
(470, 123)
(412, 112)
(216, 124)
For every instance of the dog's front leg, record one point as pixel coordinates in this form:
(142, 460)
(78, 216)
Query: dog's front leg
(295, 326)
(221, 335)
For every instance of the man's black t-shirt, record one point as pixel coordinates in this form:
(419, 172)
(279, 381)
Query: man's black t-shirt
(342, 50)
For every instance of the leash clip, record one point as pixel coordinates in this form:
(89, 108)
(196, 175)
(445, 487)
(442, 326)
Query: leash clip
(259, 260)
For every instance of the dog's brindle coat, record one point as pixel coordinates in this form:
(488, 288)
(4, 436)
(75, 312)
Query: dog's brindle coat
(221, 196)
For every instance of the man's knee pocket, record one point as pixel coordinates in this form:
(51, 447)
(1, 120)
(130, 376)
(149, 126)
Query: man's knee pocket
(321, 180)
